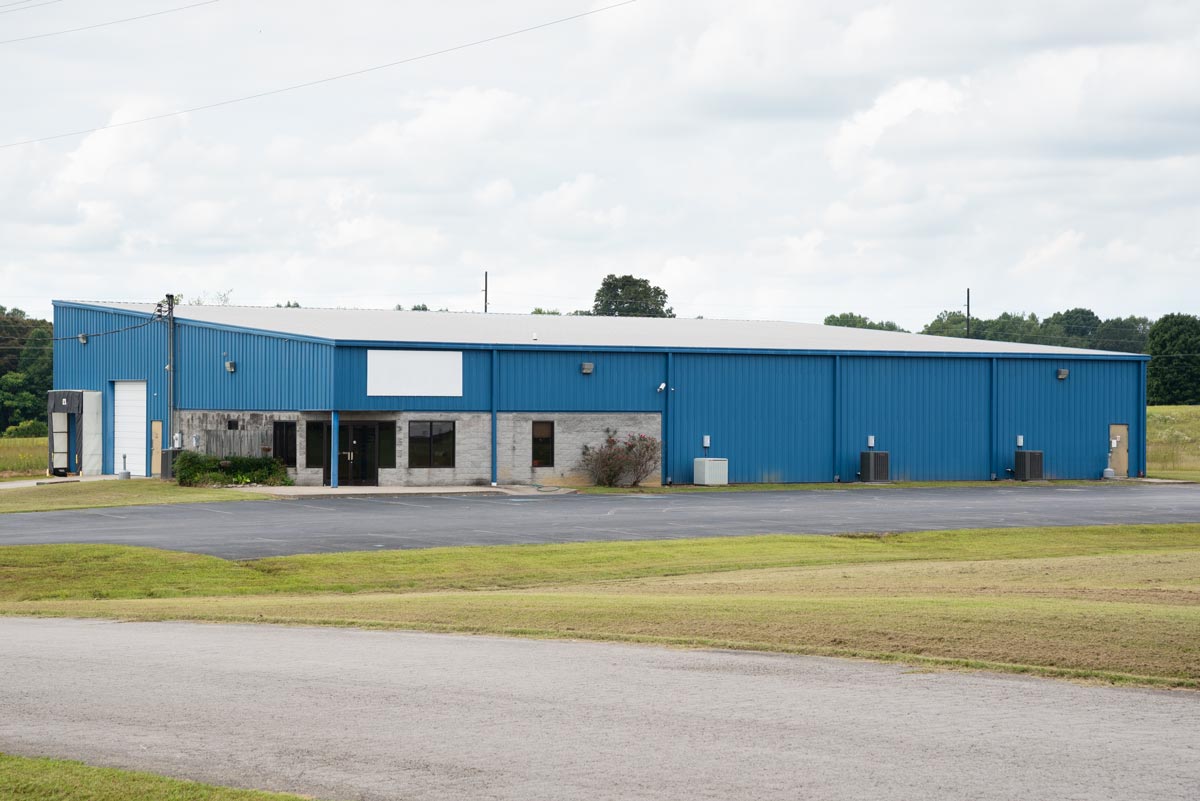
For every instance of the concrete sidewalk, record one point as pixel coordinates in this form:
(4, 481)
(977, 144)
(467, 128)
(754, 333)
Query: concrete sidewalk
(324, 492)
(48, 480)
(329, 492)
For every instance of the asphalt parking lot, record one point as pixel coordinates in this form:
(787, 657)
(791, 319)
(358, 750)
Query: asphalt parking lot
(251, 529)
(374, 715)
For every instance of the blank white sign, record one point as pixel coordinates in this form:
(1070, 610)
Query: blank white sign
(436, 373)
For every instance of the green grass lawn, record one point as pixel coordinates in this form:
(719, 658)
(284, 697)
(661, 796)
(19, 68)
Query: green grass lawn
(24, 779)
(96, 494)
(26, 456)
(1116, 603)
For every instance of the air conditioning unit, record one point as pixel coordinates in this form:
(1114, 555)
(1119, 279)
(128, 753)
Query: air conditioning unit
(710, 472)
(1029, 466)
(873, 466)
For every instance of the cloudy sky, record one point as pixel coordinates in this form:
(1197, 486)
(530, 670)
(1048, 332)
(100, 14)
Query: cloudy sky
(760, 159)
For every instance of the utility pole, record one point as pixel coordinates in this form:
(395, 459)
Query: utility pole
(171, 368)
(485, 292)
(968, 312)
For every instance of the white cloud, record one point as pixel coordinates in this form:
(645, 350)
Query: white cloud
(859, 134)
(761, 159)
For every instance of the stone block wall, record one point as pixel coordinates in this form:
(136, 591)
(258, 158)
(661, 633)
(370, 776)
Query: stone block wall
(472, 442)
(472, 450)
(514, 443)
(204, 431)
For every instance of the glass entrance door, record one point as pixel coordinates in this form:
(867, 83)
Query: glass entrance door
(358, 455)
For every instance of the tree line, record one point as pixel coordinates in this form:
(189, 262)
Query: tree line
(26, 373)
(1172, 341)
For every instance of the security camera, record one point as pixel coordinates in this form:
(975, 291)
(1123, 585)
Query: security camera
(662, 386)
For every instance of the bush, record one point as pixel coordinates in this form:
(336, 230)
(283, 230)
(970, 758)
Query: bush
(197, 470)
(27, 428)
(618, 462)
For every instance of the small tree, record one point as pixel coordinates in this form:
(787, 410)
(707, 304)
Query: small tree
(627, 296)
(617, 462)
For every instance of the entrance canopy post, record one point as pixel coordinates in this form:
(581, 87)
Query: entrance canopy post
(334, 450)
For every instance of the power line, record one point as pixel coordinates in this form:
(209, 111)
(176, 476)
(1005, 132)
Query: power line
(26, 8)
(319, 81)
(106, 24)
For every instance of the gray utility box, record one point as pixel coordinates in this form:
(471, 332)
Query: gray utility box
(167, 467)
(710, 472)
(873, 466)
(1029, 466)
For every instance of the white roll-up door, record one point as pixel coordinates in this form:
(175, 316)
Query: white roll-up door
(129, 426)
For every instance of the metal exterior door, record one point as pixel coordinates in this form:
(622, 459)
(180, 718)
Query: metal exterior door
(1118, 440)
(156, 447)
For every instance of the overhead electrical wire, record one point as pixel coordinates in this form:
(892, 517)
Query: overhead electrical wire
(319, 81)
(26, 8)
(106, 24)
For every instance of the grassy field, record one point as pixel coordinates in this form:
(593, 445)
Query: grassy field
(22, 457)
(98, 494)
(1173, 442)
(1119, 603)
(24, 779)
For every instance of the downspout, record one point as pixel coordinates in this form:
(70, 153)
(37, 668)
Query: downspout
(992, 424)
(837, 414)
(1142, 414)
(666, 478)
(495, 389)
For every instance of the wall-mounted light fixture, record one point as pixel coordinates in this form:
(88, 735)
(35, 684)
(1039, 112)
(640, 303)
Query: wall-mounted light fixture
(870, 440)
(231, 367)
(1020, 440)
(1063, 373)
(662, 386)
(587, 368)
(83, 339)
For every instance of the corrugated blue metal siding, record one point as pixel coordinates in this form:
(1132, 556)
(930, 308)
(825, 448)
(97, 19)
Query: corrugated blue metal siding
(1068, 419)
(551, 381)
(931, 415)
(350, 383)
(136, 355)
(273, 373)
(770, 416)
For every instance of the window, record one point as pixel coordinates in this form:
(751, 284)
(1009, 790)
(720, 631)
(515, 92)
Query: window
(285, 443)
(543, 444)
(387, 444)
(430, 444)
(231, 425)
(314, 444)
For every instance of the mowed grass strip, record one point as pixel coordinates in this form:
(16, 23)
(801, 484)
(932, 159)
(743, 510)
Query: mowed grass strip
(23, 779)
(33, 572)
(1116, 641)
(1119, 603)
(102, 494)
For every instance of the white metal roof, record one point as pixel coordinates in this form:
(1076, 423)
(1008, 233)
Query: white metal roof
(381, 325)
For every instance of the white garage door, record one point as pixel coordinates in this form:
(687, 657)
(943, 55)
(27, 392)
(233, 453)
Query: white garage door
(129, 426)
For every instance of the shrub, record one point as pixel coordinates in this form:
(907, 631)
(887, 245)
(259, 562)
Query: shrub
(197, 470)
(27, 428)
(628, 461)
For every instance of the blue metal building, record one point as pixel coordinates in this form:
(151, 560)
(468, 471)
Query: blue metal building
(452, 398)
